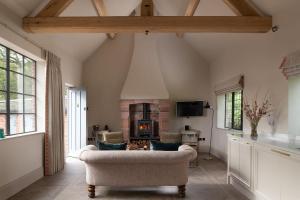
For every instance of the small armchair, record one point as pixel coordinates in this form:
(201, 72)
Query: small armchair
(170, 137)
(113, 137)
(110, 137)
(100, 135)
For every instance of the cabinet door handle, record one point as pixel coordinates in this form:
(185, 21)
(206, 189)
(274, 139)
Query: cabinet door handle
(280, 152)
(234, 139)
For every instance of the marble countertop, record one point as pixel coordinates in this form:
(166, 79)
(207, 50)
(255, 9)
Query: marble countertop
(281, 141)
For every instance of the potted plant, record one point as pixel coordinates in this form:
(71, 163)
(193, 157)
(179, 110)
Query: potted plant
(255, 111)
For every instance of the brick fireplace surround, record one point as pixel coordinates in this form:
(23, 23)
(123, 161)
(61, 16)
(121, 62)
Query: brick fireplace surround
(164, 109)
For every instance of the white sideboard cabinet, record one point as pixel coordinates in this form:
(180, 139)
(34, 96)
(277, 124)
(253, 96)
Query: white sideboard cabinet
(267, 171)
(240, 159)
(276, 173)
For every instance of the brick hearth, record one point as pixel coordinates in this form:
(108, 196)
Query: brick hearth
(164, 109)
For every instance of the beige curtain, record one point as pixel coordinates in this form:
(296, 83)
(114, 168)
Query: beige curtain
(54, 137)
(230, 85)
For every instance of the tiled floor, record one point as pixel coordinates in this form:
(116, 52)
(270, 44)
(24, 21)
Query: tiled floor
(206, 182)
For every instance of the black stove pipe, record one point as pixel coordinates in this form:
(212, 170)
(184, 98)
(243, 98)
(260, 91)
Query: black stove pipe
(146, 111)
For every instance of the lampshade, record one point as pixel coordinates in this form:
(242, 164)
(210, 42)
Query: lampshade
(207, 106)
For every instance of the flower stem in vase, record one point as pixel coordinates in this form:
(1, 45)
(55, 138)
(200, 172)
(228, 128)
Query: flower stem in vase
(255, 111)
(254, 130)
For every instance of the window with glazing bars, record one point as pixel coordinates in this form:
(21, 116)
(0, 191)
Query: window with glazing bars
(234, 110)
(17, 92)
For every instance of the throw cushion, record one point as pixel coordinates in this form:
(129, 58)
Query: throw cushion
(109, 146)
(159, 146)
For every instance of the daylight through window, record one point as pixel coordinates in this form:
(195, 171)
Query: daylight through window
(234, 110)
(17, 92)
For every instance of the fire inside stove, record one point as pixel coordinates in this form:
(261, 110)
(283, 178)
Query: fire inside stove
(145, 128)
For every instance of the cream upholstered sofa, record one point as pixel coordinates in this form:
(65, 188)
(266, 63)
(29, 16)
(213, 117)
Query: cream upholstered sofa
(137, 168)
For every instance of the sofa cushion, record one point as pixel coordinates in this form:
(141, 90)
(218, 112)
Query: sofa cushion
(109, 146)
(160, 146)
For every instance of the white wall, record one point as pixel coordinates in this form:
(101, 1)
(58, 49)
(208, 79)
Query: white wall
(21, 163)
(104, 74)
(71, 67)
(144, 79)
(186, 76)
(184, 73)
(22, 157)
(258, 57)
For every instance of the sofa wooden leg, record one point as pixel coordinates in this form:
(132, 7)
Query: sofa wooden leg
(181, 191)
(91, 190)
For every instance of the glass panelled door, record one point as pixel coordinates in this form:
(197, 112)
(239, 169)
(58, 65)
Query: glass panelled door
(77, 130)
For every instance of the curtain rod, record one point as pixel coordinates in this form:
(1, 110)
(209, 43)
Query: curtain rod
(20, 35)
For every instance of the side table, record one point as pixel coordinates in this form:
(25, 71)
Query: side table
(190, 138)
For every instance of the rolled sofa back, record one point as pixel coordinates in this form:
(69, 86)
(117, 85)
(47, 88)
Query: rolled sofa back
(90, 154)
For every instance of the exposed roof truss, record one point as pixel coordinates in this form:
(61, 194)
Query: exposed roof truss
(248, 20)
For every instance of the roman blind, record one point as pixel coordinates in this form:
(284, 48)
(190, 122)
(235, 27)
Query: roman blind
(290, 65)
(230, 85)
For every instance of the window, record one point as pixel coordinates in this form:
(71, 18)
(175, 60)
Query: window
(234, 110)
(230, 110)
(17, 92)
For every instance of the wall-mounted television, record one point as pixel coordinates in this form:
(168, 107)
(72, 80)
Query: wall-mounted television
(189, 109)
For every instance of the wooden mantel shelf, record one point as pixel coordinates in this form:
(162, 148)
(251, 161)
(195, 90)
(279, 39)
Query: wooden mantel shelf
(113, 24)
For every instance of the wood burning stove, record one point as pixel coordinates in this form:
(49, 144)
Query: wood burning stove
(145, 125)
(145, 128)
(143, 121)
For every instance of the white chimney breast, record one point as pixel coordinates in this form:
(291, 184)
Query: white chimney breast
(144, 79)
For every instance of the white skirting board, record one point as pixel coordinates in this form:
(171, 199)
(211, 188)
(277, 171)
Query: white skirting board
(19, 184)
(221, 155)
(251, 196)
(236, 184)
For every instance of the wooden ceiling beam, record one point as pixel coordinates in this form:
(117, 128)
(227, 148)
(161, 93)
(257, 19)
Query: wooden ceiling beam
(191, 8)
(101, 10)
(116, 24)
(100, 7)
(54, 8)
(243, 8)
(147, 8)
(190, 11)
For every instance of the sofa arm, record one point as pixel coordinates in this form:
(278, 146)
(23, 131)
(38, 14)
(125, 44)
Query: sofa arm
(191, 151)
(89, 147)
(86, 148)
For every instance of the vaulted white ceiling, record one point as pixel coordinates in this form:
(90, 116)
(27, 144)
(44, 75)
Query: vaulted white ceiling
(208, 45)
(79, 46)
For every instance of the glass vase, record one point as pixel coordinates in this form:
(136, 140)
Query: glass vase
(254, 130)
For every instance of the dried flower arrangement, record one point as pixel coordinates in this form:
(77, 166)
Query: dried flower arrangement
(255, 111)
